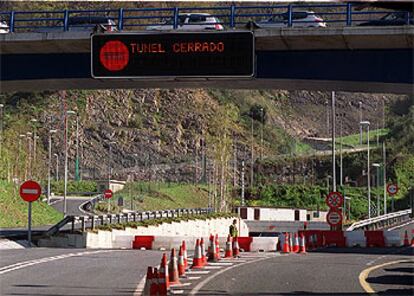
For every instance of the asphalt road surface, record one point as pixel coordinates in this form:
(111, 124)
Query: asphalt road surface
(72, 205)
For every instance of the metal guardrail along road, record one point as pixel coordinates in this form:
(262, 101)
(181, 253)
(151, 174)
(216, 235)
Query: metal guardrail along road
(381, 221)
(232, 16)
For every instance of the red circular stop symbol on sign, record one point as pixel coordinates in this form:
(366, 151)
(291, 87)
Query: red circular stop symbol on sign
(108, 193)
(114, 55)
(30, 190)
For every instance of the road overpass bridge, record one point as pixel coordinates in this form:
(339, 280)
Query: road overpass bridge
(366, 59)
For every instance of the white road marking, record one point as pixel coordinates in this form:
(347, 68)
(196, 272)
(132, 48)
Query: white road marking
(180, 285)
(204, 282)
(193, 278)
(198, 272)
(177, 292)
(24, 264)
(212, 267)
(220, 263)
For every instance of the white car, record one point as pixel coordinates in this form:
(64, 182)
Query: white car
(191, 22)
(4, 28)
(299, 19)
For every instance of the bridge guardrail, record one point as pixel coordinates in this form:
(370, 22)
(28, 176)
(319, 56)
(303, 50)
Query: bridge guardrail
(91, 221)
(383, 219)
(230, 15)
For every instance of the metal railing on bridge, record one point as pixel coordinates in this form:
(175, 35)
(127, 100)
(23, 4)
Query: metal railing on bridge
(381, 221)
(233, 16)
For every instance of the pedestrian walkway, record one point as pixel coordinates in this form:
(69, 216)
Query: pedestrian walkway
(7, 244)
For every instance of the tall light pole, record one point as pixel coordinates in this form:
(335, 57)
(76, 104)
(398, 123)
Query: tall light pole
(360, 119)
(18, 173)
(29, 143)
(1, 128)
(261, 134)
(340, 152)
(57, 166)
(67, 113)
(35, 137)
(377, 166)
(77, 176)
(252, 155)
(367, 123)
(49, 163)
(384, 176)
(333, 143)
(327, 117)
(110, 172)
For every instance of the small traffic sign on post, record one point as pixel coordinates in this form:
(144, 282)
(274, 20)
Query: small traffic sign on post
(392, 189)
(334, 200)
(108, 193)
(30, 191)
(334, 218)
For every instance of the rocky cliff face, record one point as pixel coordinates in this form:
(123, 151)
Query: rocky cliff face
(159, 133)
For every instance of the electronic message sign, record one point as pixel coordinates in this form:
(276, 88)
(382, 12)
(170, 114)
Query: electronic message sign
(201, 54)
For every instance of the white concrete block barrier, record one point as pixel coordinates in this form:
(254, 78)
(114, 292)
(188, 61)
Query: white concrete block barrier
(355, 238)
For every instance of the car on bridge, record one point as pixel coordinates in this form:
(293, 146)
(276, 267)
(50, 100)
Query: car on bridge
(392, 19)
(4, 28)
(191, 22)
(299, 19)
(85, 24)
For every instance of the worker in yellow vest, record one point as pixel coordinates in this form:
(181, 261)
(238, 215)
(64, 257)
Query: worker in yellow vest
(234, 232)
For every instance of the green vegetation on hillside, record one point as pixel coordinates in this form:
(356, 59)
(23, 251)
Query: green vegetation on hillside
(158, 196)
(353, 140)
(14, 210)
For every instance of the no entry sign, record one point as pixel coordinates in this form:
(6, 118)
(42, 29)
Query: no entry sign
(108, 193)
(30, 191)
(334, 218)
(334, 200)
(392, 189)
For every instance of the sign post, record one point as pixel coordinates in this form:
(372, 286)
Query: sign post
(335, 202)
(108, 195)
(30, 191)
(392, 190)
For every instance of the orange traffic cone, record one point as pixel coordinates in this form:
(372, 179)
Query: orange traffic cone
(148, 282)
(212, 257)
(295, 248)
(181, 265)
(163, 273)
(302, 244)
(217, 247)
(203, 252)
(286, 248)
(173, 268)
(236, 248)
(406, 241)
(185, 254)
(160, 283)
(229, 251)
(197, 260)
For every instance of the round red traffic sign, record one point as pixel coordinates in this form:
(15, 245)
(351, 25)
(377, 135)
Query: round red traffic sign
(108, 193)
(114, 55)
(334, 217)
(30, 190)
(392, 189)
(334, 199)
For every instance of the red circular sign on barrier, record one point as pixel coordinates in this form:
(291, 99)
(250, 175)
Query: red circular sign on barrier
(334, 217)
(30, 191)
(334, 199)
(114, 55)
(108, 193)
(392, 189)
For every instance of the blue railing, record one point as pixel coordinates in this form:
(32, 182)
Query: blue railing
(232, 16)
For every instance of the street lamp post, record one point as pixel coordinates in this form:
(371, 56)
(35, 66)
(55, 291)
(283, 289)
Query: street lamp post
(19, 151)
(68, 112)
(377, 166)
(367, 123)
(333, 144)
(57, 166)
(35, 137)
(384, 180)
(261, 134)
(29, 143)
(360, 119)
(340, 152)
(1, 128)
(77, 176)
(49, 164)
(110, 171)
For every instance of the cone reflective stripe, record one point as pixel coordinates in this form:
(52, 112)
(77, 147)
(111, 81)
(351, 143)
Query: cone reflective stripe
(229, 251)
(185, 254)
(406, 241)
(164, 270)
(197, 260)
(295, 248)
(162, 284)
(173, 268)
(236, 248)
(203, 251)
(148, 282)
(290, 242)
(212, 257)
(217, 247)
(181, 266)
(286, 248)
(302, 247)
